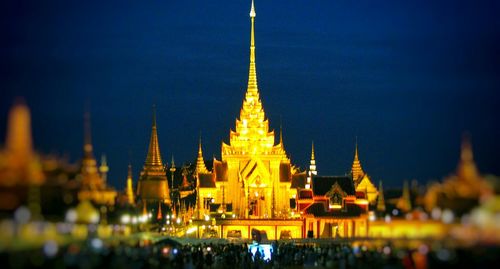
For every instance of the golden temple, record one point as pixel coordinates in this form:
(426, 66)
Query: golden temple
(254, 170)
(256, 184)
(152, 187)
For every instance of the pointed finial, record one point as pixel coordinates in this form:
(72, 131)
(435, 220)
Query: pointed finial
(154, 115)
(281, 132)
(356, 149)
(199, 144)
(200, 163)
(173, 162)
(312, 150)
(466, 154)
(87, 145)
(252, 11)
(129, 173)
(356, 169)
(154, 157)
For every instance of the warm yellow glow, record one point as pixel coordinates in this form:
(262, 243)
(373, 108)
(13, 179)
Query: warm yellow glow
(361, 202)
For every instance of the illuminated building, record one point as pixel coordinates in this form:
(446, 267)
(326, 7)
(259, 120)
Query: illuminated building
(19, 165)
(462, 191)
(93, 186)
(254, 170)
(21, 172)
(152, 187)
(362, 181)
(258, 187)
(252, 184)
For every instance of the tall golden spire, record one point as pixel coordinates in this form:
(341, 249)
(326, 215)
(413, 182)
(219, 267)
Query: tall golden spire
(252, 134)
(467, 169)
(130, 189)
(154, 157)
(356, 170)
(91, 179)
(252, 72)
(152, 184)
(19, 140)
(200, 163)
(21, 163)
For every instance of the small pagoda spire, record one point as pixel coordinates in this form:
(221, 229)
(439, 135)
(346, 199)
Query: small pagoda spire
(380, 198)
(91, 178)
(312, 165)
(154, 156)
(172, 171)
(252, 74)
(87, 137)
(104, 168)
(200, 163)
(356, 170)
(173, 162)
(185, 182)
(130, 189)
(312, 150)
(467, 169)
(312, 168)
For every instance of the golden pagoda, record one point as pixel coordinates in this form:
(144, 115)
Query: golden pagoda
(362, 181)
(93, 187)
(201, 168)
(254, 170)
(356, 170)
(21, 174)
(463, 190)
(152, 186)
(19, 165)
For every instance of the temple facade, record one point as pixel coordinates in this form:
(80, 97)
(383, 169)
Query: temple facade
(255, 188)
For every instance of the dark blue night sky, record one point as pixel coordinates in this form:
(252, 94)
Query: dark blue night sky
(407, 78)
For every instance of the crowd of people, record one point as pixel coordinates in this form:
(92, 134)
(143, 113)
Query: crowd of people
(282, 255)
